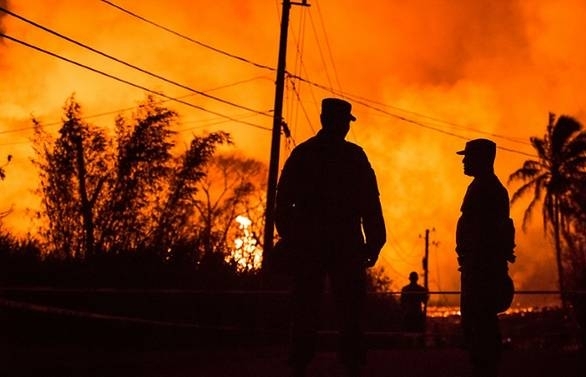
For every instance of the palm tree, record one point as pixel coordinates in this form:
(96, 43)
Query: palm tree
(552, 179)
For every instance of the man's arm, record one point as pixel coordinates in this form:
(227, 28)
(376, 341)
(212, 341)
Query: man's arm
(285, 199)
(372, 219)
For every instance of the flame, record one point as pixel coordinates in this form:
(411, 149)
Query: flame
(246, 253)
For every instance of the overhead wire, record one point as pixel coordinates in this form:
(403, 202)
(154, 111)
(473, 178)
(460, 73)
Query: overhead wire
(390, 265)
(320, 50)
(408, 120)
(135, 67)
(292, 77)
(111, 112)
(299, 65)
(298, 96)
(209, 122)
(402, 255)
(329, 49)
(330, 89)
(435, 119)
(299, 43)
(127, 82)
(320, 86)
(331, 59)
(205, 123)
(183, 36)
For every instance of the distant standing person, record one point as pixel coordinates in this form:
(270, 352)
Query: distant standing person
(329, 216)
(413, 300)
(484, 246)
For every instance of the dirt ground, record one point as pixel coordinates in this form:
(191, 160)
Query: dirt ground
(71, 361)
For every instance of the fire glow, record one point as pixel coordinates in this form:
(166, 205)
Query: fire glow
(484, 67)
(246, 253)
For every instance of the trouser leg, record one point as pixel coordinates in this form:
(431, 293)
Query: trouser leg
(348, 288)
(483, 340)
(306, 295)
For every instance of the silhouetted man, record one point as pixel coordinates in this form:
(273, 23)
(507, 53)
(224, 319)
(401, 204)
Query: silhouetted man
(484, 247)
(329, 216)
(413, 300)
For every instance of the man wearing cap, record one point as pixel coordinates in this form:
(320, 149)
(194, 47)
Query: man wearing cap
(484, 248)
(329, 215)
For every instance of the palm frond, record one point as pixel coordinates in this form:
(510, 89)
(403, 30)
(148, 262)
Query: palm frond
(576, 147)
(529, 170)
(524, 189)
(540, 146)
(564, 129)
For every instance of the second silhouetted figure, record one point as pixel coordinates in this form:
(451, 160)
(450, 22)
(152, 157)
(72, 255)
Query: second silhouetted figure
(484, 245)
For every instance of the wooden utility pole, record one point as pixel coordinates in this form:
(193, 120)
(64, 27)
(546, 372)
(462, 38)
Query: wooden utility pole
(269, 229)
(426, 269)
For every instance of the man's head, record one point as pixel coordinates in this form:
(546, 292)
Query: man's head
(413, 277)
(479, 157)
(336, 115)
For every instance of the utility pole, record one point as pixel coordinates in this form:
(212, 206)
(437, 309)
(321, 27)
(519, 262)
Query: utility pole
(426, 269)
(276, 132)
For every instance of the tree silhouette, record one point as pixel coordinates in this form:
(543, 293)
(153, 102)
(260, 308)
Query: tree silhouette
(134, 192)
(233, 185)
(176, 213)
(142, 165)
(73, 169)
(553, 180)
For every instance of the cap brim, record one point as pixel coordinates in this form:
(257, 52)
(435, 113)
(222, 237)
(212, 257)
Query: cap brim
(461, 152)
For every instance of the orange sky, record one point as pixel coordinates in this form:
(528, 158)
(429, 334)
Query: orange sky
(469, 69)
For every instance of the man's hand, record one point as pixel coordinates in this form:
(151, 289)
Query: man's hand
(370, 261)
(370, 256)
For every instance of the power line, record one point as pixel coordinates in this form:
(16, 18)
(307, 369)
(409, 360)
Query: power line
(208, 123)
(300, 65)
(111, 112)
(400, 117)
(94, 50)
(321, 55)
(205, 123)
(294, 88)
(435, 119)
(299, 42)
(205, 45)
(405, 119)
(323, 27)
(330, 89)
(95, 70)
(360, 100)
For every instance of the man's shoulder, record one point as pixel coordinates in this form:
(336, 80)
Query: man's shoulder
(354, 152)
(308, 144)
(353, 147)
(317, 144)
(488, 184)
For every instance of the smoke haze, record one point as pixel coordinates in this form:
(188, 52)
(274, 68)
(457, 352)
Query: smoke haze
(454, 70)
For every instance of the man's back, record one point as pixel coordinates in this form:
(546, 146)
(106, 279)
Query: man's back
(329, 217)
(327, 187)
(412, 296)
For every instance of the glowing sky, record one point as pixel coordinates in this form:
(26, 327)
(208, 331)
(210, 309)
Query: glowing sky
(448, 71)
